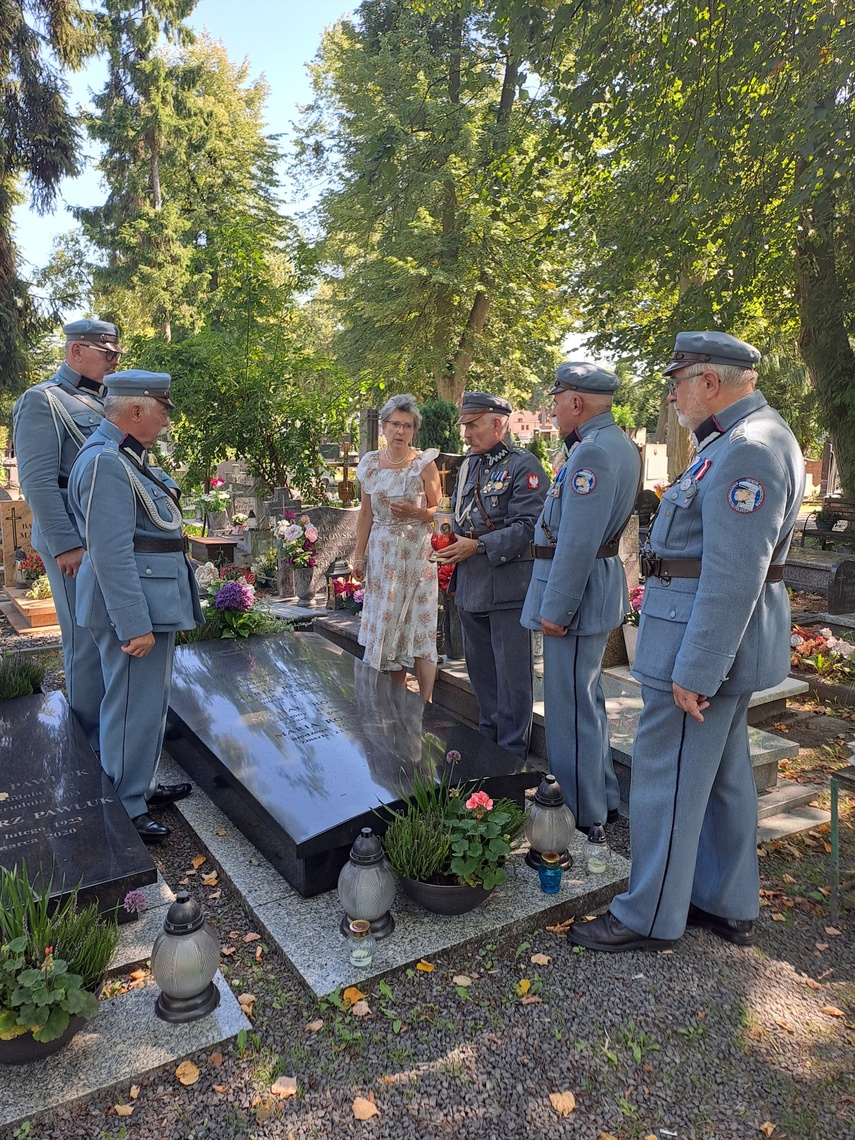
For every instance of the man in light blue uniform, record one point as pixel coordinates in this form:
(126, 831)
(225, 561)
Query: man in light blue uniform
(578, 589)
(51, 422)
(499, 491)
(135, 586)
(715, 627)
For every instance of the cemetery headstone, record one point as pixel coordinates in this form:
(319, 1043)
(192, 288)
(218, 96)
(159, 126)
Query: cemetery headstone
(298, 743)
(16, 522)
(58, 810)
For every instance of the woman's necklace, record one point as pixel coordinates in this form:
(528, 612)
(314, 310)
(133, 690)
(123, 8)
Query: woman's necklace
(399, 462)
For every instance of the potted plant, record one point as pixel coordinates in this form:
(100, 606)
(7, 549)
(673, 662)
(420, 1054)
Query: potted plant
(295, 545)
(630, 622)
(19, 675)
(449, 843)
(826, 520)
(53, 959)
(29, 568)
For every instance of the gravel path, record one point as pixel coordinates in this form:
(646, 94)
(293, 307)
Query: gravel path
(704, 1042)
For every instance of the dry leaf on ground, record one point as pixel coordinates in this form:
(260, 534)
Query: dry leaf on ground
(139, 975)
(531, 999)
(216, 1059)
(251, 937)
(220, 1088)
(562, 1102)
(561, 927)
(135, 1092)
(210, 880)
(123, 1109)
(832, 1011)
(523, 986)
(187, 1073)
(283, 1087)
(227, 950)
(314, 1026)
(222, 832)
(833, 932)
(259, 952)
(364, 1109)
(540, 959)
(768, 1128)
(246, 1002)
(607, 1136)
(821, 945)
(352, 995)
(811, 983)
(197, 861)
(361, 1008)
(425, 967)
(264, 1110)
(461, 980)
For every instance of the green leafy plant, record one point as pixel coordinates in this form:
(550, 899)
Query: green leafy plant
(40, 588)
(439, 426)
(52, 957)
(19, 676)
(265, 565)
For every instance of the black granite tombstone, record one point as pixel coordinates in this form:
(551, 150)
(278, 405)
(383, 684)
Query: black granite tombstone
(823, 572)
(300, 743)
(58, 811)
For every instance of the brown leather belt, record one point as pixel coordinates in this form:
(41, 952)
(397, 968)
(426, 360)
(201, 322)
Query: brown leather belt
(475, 533)
(160, 545)
(608, 550)
(652, 567)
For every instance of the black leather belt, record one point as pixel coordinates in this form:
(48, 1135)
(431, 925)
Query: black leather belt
(159, 545)
(608, 550)
(62, 481)
(666, 568)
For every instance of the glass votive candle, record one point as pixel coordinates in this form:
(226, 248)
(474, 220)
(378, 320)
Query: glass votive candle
(361, 943)
(550, 872)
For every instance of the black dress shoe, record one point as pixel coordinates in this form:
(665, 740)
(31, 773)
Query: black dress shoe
(739, 931)
(608, 933)
(148, 829)
(165, 794)
(612, 817)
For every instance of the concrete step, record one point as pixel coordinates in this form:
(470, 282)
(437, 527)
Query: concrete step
(787, 796)
(791, 823)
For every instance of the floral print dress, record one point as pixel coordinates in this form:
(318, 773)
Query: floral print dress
(399, 613)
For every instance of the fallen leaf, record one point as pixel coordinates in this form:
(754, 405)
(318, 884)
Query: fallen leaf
(234, 934)
(246, 1002)
(210, 880)
(264, 1110)
(563, 1102)
(216, 1059)
(283, 1087)
(461, 980)
(788, 878)
(215, 894)
(561, 927)
(768, 1128)
(650, 1136)
(833, 932)
(197, 861)
(523, 986)
(183, 882)
(785, 1025)
(607, 1136)
(821, 945)
(187, 1073)
(812, 984)
(778, 917)
(540, 959)
(832, 1011)
(361, 1008)
(123, 1109)
(222, 831)
(364, 1109)
(425, 967)
(259, 953)
(227, 950)
(352, 995)
(251, 937)
(531, 999)
(135, 1092)
(314, 1026)
(220, 1088)
(139, 975)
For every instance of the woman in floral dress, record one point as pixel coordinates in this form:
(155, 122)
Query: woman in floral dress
(400, 492)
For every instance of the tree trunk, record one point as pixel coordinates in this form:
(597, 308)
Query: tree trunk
(823, 340)
(680, 447)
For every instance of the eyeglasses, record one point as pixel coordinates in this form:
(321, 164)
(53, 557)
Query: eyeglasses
(398, 426)
(672, 384)
(109, 354)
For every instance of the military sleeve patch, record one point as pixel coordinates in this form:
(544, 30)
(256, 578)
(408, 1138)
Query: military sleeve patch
(746, 495)
(583, 481)
(533, 482)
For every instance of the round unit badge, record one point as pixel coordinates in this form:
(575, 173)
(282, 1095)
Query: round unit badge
(583, 481)
(746, 495)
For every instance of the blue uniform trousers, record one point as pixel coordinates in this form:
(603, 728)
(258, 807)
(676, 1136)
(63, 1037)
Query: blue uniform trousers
(133, 715)
(694, 816)
(499, 662)
(577, 728)
(84, 683)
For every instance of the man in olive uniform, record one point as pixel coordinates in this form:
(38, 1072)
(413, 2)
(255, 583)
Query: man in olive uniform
(715, 627)
(498, 495)
(51, 421)
(135, 587)
(578, 594)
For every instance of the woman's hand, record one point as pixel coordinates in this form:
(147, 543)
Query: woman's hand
(403, 510)
(358, 574)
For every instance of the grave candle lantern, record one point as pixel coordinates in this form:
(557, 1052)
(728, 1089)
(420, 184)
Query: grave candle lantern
(366, 886)
(338, 570)
(184, 960)
(549, 825)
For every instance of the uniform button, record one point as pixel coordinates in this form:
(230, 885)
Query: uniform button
(503, 559)
(148, 571)
(673, 613)
(667, 514)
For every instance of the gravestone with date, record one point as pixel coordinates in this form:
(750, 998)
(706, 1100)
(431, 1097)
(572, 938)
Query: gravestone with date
(299, 743)
(58, 811)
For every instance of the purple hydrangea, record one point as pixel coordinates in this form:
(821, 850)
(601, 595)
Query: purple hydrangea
(234, 596)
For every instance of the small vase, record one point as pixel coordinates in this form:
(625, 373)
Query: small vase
(630, 639)
(217, 521)
(24, 1050)
(303, 576)
(445, 898)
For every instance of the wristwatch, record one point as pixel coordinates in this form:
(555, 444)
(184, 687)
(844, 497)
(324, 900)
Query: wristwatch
(480, 548)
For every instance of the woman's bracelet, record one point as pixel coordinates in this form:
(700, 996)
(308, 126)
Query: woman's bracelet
(359, 561)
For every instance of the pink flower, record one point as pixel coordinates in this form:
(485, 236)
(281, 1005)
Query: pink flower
(479, 800)
(218, 482)
(311, 534)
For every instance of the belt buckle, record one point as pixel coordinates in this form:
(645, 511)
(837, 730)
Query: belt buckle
(651, 567)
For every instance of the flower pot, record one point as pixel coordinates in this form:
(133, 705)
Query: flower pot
(217, 521)
(824, 525)
(445, 898)
(630, 638)
(24, 1050)
(303, 576)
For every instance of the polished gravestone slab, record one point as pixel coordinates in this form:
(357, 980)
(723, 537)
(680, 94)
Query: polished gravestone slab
(299, 743)
(58, 811)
